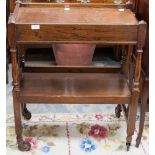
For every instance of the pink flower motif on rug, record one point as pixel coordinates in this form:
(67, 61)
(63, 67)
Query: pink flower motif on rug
(98, 131)
(32, 141)
(98, 117)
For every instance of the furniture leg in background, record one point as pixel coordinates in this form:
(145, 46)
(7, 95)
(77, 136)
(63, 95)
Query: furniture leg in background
(144, 100)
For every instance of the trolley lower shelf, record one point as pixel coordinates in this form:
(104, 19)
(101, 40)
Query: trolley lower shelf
(74, 88)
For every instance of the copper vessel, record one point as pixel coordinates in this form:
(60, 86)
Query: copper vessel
(73, 54)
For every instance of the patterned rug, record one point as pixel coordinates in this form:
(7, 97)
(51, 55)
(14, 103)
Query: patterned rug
(76, 134)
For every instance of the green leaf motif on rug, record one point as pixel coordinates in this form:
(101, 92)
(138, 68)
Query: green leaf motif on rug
(83, 128)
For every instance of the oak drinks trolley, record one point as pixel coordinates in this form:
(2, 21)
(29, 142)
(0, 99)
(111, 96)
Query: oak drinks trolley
(47, 23)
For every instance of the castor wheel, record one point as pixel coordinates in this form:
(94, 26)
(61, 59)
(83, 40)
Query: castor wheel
(26, 114)
(128, 146)
(137, 145)
(118, 111)
(24, 146)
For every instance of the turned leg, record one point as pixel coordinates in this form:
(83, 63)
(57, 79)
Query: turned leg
(7, 69)
(25, 112)
(144, 97)
(21, 59)
(7, 65)
(132, 118)
(22, 145)
(125, 65)
(135, 90)
(132, 108)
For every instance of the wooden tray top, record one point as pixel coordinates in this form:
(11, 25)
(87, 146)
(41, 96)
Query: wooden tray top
(79, 23)
(76, 15)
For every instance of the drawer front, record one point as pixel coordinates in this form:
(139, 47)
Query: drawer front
(77, 33)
